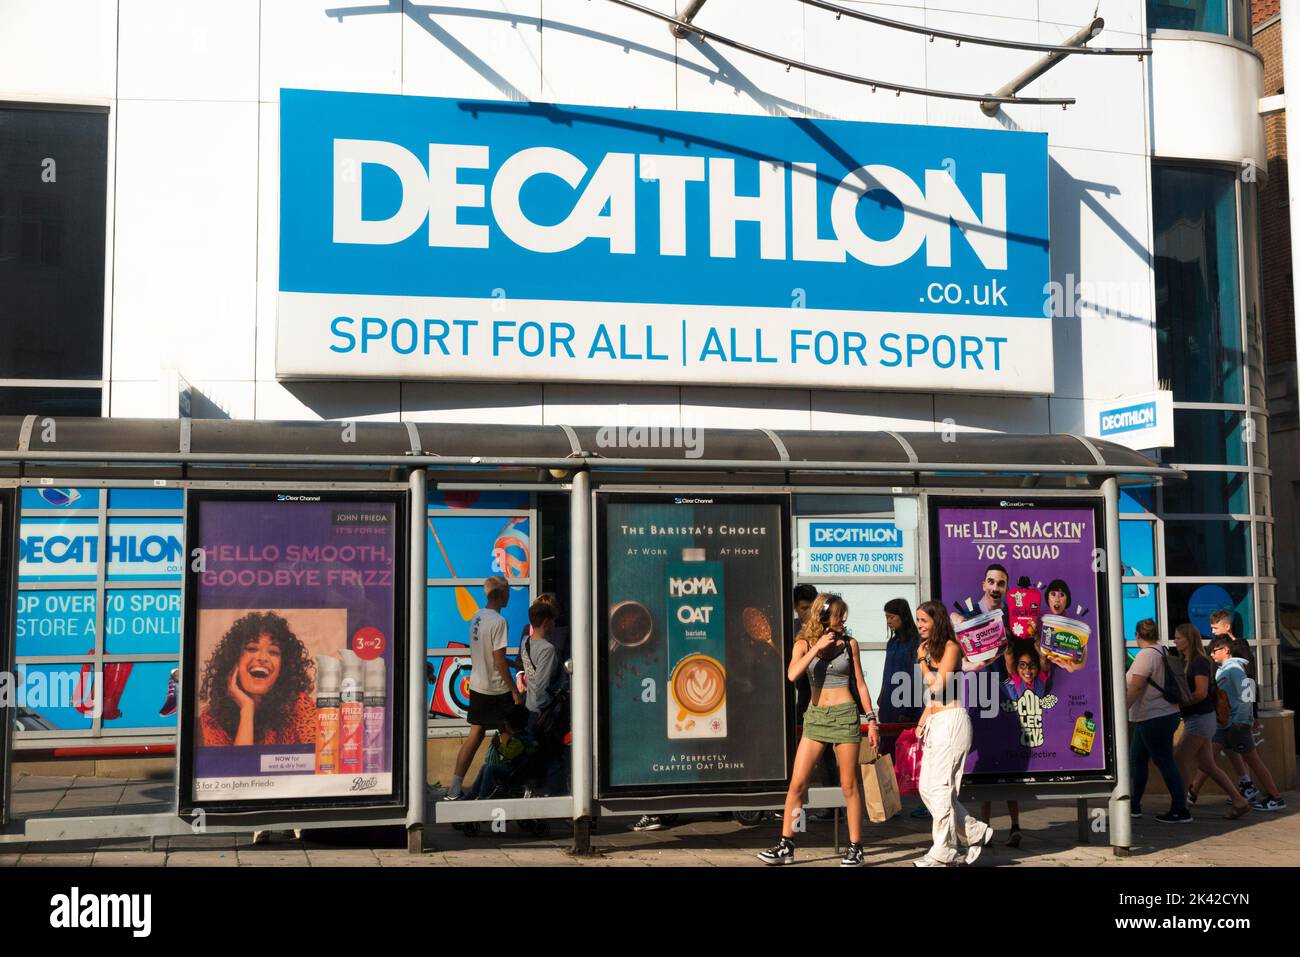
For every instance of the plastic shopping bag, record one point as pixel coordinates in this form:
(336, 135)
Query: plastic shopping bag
(907, 762)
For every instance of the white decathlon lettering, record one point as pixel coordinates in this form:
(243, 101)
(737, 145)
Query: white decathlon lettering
(604, 206)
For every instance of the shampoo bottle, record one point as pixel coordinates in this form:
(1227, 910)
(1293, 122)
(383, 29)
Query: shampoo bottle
(327, 714)
(351, 708)
(372, 749)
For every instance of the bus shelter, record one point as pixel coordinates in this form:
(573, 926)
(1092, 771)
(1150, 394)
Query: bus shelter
(143, 554)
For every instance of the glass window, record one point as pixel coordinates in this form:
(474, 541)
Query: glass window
(54, 167)
(1210, 437)
(1137, 500)
(142, 621)
(139, 694)
(55, 623)
(1195, 602)
(1198, 302)
(1137, 548)
(1204, 16)
(51, 401)
(1140, 601)
(1208, 493)
(1207, 548)
(1242, 26)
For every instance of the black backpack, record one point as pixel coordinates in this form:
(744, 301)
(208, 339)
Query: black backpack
(1175, 689)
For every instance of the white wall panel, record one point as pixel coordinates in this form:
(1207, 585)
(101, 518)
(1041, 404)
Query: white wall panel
(1111, 112)
(715, 78)
(716, 407)
(990, 414)
(344, 401)
(871, 411)
(181, 51)
(185, 240)
(1101, 236)
(1121, 16)
(58, 50)
(866, 49)
(485, 49)
(268, 237)
(971, 68)
(304, 48)
(510, 403)
(1068, 416)
(155, 399)
(600, 54)
(631, 404)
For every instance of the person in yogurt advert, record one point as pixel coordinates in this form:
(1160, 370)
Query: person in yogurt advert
(945, 729)
(993, 597)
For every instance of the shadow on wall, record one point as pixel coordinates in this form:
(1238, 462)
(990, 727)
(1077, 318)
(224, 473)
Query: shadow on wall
(1075, 291)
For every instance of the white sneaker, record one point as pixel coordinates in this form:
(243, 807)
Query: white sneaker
(928, 861)
(973, 852)
(648, 822)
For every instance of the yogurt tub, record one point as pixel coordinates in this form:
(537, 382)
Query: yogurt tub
(982, 637)
(1065, 640)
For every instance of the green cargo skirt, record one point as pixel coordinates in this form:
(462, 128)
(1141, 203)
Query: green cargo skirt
(837, 724)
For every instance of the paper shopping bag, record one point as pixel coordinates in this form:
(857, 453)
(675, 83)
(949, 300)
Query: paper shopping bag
(880, 790)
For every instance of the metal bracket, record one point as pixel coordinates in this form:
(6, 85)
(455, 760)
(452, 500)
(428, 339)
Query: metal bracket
(687, 16)
(1079, 39)
(781, 450)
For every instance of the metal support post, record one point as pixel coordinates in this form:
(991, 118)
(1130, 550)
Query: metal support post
(581, 644)
(990, 107)
(417, 775)
(1120, 824)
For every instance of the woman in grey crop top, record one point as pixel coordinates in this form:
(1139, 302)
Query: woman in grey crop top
(829, 656)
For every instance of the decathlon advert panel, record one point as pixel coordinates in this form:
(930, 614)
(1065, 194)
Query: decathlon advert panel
(453, 239)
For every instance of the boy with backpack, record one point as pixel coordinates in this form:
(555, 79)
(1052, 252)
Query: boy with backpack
(1238, 737)
(1154, 696)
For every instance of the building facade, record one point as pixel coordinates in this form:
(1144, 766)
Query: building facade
(143, 233)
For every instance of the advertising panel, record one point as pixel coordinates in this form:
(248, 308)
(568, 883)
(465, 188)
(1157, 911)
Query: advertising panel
(1024, 584)
(847, 548)
(439, 238)
(294, 649)
(60, 613)
(693, 647)
(471, 535)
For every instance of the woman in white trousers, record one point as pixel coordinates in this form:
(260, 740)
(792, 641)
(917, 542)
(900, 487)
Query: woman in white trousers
(945, 733)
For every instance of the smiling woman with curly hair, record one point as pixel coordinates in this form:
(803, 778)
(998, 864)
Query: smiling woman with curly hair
(257, 686)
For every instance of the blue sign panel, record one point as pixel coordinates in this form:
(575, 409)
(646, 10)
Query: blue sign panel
(450, 238)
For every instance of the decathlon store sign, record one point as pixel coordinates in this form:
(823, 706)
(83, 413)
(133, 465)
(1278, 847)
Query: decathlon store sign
(432, 238)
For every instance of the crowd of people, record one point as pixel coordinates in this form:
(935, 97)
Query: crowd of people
(529, 710)
(1209, 692)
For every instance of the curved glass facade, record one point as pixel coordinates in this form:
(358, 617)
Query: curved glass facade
(1194, 547)
(1229, 18)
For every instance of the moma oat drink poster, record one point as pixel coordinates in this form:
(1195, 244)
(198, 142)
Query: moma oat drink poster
(693, 670)
(1020, 582)
(292, 637)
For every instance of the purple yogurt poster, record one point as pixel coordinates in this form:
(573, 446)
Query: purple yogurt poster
(1020, 585)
